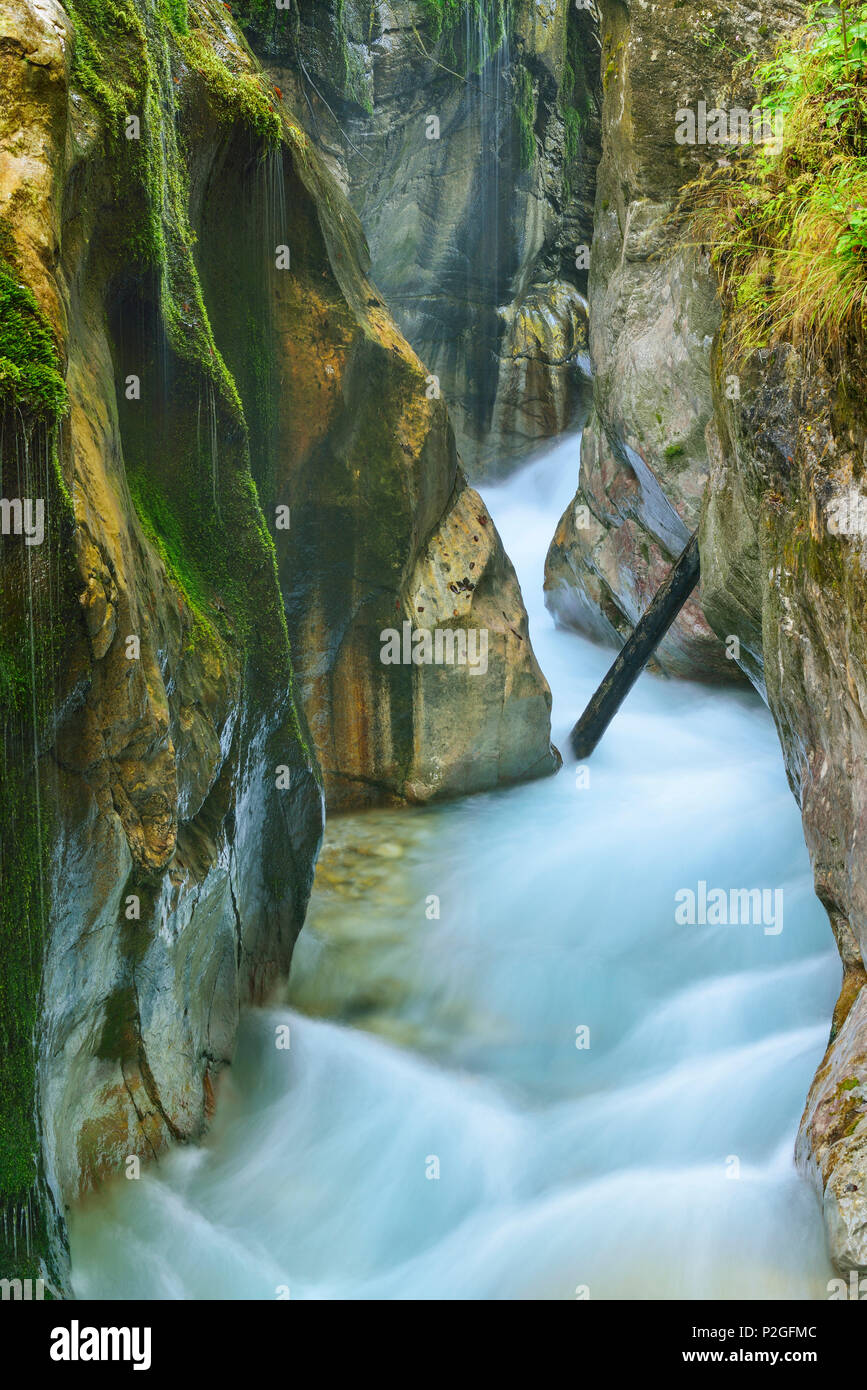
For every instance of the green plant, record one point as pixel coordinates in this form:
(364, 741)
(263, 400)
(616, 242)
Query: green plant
(786, 220)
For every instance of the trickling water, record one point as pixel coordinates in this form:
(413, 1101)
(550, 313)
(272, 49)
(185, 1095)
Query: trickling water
(655, 1163)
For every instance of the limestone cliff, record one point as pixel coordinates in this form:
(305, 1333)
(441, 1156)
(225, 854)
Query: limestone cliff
(781, 573)
(466, 137)
(193, 367)
(654, 314)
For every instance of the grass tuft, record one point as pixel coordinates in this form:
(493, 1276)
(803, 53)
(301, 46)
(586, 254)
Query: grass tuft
(785, 221)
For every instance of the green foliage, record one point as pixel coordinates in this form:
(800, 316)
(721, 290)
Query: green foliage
(786, 221)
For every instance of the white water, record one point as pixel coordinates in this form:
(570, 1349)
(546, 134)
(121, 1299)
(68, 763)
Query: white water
(612, 1167)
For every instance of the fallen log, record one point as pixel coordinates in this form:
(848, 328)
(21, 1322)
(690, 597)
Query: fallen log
(637, 651)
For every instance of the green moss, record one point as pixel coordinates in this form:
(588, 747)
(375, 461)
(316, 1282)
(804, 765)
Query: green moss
(119, 1039)
(235, 96)
(178, 15)
(272, 31)
(163, 529)
(33, 617)
(31, 382)
(470, 31)
(352, 79)
(37, 611)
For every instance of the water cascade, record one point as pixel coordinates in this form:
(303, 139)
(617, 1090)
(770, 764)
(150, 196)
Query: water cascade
(512, 1071)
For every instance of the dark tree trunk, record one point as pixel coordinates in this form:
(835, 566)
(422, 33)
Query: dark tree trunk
(637, 651)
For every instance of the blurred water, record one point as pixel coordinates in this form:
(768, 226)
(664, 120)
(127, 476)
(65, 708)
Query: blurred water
(654, 1163)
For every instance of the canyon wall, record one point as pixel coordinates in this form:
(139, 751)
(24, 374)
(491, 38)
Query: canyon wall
(654, 314)
(783, 574)
(234, 446)
(468, 147)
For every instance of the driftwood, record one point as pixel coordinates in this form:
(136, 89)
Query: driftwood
(637, 651)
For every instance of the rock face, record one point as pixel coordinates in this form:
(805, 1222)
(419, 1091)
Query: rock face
(163, 803)
(364, 459)
(469, 154)
(174, 802)
(786, 573)
(654, 314)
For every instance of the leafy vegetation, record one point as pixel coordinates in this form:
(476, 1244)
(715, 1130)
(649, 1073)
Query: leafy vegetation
(786, 219)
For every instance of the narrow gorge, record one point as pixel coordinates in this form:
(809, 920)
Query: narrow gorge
(365, 365)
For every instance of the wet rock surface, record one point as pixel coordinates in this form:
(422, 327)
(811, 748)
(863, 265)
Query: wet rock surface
(653, 316)
(470, 159)
(785, 573)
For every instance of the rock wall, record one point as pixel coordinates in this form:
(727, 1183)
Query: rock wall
(654, 314)
(469, 153)
(348, 437)
(782, 572)
(174, 863)
(167, 392)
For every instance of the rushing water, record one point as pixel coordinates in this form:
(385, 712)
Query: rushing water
(657, 1162)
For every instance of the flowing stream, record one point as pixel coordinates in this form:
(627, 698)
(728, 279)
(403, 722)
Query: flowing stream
(437, 1129)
